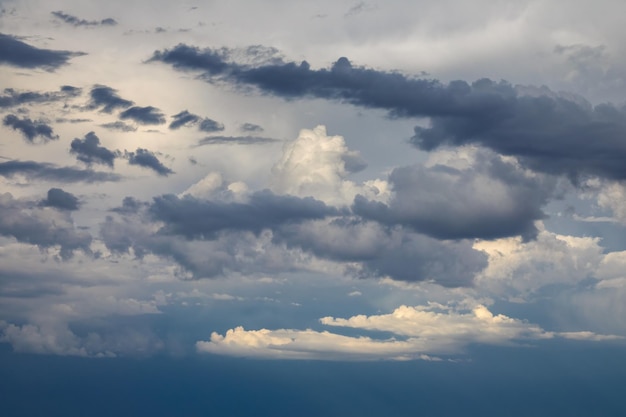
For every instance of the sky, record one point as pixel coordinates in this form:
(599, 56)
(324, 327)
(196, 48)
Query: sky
(346, 208)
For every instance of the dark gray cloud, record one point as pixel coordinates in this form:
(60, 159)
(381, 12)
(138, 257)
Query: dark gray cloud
(492, 199)
(13, 98)
(147, 159)
(61, 200)
(143, 115)
(202, 219)
(251, 127)
(89, 151)
(75, 21)
(234, 140)
(184, 118)
(206, 237)
(50, 172)
(30, 129)
(107, 99)
(382, 251)
(548, 132)
(19, 54)
(27, 223)
(121, 126)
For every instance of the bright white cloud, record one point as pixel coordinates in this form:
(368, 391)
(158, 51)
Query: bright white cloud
(419, 333)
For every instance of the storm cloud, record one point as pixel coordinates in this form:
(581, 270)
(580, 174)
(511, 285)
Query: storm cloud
(548, 132)
(19, 54)
(30, 129)
(184, 118)
(89, 151)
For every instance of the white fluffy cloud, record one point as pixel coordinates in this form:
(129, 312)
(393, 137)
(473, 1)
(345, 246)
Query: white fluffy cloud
(317, 165)
(419, 333)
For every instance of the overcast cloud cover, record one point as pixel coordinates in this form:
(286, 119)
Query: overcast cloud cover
(197, 188)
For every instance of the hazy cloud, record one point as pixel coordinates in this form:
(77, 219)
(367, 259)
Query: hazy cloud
(234, 140)
(251, 127)
(75, 21)
(121, 126)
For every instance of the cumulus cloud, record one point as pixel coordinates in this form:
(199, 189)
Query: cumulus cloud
(318, 165)
(147, 159)
(488, 198)
(143, 115)
(419, 333)
(20, 54)
(89, 151)
(30, 129)
(75, 21)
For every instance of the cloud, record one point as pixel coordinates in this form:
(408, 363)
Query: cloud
(372, 250)
(210, 125)
(147, 159)
(121, 126)
(234, 140)
(548, 132)
(107, 98)
(30, 129)
(50, 172)
(61, 200)
(41, 227)
(203, 219)
(17, 53)
(251, 127)
(13, 98)
(419, 332)
(488, 198)
(317, 164)
(75, 21)
(143, 115)
(89, 151)
(185, 118)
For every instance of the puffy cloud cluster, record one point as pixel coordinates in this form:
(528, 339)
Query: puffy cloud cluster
(421, 332)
